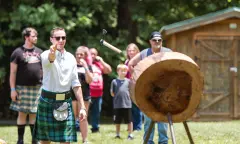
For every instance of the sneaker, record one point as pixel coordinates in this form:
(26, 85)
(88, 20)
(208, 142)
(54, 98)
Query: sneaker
(85, 142)
(130, 137)
(117, 137)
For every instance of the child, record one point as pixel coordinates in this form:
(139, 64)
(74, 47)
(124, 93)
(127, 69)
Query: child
(122, 103)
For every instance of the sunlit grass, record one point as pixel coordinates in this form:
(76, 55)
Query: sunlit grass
(202, 133)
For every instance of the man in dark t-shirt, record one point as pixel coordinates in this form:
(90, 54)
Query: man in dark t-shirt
(25, 81)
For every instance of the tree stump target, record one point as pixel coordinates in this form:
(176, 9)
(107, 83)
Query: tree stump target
(167, 82)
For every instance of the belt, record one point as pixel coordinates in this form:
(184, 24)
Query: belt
(56, 96)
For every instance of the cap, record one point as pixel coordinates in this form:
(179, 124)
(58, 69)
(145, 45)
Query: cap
(156, 35)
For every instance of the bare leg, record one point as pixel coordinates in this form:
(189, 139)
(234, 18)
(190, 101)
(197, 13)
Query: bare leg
(118, 129)
(32, 118)
(22, 118)
(84, 124)
(130, 128)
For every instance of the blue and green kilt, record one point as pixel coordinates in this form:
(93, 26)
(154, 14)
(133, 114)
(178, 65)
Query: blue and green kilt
(49, 129)
(27, 99)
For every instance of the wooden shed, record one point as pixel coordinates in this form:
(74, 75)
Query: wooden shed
(213, 41)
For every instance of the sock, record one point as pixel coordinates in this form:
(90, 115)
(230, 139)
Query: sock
(117, 134)
(31, 128)
(21, 130)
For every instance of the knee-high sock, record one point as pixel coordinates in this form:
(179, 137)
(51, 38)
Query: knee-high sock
(31, 127)
(21, 130)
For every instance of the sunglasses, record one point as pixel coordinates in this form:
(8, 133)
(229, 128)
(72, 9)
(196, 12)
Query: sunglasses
(160, 40)
(58, 38)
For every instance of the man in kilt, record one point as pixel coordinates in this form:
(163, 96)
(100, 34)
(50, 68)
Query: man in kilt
(25, 80)
(55, 118)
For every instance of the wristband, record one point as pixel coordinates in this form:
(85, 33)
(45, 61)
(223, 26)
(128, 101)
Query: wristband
(86, 69)
(13, 89)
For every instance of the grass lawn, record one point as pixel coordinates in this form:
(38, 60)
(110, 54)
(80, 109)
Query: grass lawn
(202, 133)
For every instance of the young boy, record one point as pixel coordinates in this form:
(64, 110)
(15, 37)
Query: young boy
(121, 101)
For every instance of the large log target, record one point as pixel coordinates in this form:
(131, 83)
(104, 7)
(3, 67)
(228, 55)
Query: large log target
(167, 82)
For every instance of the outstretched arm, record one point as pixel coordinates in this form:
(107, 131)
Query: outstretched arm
(134, 62)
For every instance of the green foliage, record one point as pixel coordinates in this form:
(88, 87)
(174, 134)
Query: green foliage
(85, 19)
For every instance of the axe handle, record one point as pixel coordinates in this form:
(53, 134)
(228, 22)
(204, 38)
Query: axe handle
(110, 46)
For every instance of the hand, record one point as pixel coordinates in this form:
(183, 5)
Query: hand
(82, 114)
(14, 96)
(83, 63)
(51, 55)
(98, 58)
(130, 69)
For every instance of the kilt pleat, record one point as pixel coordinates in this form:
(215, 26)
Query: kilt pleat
(27, 99)
(49, 129)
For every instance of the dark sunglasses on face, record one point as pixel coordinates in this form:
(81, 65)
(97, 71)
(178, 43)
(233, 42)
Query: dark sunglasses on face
(159, 40)
(58, 38)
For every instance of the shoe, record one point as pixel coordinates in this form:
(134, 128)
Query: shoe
(20, 142)
(130, 137)
(117, 137)
(34, 142)
(85, 142)
(95, 130)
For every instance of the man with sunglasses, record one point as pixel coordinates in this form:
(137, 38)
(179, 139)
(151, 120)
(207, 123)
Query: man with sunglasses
(156, 47)
(55, 119)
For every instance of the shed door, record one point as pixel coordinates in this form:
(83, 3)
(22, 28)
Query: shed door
(217, 57)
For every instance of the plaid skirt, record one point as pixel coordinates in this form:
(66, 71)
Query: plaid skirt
(49, 129)
(27, 99)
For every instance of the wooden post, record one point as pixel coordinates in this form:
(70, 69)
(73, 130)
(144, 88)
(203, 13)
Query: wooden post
(188, 132)
(149, 132)
(173, 42)
(235, 80)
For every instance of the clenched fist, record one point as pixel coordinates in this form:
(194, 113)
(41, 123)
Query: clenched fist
(51, 56)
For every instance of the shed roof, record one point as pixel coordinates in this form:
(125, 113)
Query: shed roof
(201, 20)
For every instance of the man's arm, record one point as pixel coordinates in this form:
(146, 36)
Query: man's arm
(134, 62)
(12, 80)
(106, 67)
(112, 88)
(88, 73)
(78, 94)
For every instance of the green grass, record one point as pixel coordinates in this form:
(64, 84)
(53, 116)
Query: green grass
(202, 133)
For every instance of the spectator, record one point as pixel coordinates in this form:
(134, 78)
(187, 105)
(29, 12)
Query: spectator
(84, 70)
(156, 46)
(99, 68)
(25, 81)
(121, 101)
(132, 50)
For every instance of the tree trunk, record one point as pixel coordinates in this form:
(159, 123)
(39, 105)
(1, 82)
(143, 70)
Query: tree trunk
(125, 21)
